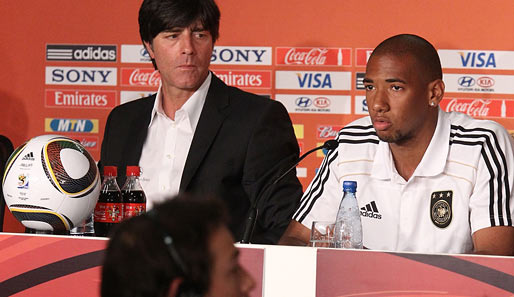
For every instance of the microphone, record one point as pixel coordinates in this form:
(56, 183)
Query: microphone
(254, 212)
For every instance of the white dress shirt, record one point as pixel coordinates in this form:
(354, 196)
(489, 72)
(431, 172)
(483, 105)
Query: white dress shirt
(167, 145)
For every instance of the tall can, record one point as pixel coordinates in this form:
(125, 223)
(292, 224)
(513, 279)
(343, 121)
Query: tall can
(134, 198)
(109, 208)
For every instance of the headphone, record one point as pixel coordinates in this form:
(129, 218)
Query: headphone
(187, 287)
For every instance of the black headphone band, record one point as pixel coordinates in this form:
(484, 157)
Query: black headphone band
(187, 288)
(169, 243)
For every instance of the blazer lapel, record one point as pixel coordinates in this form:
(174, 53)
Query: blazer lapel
(213, 113)
(139, 126)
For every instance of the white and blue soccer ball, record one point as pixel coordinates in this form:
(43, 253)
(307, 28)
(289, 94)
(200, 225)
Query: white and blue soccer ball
(51, 183)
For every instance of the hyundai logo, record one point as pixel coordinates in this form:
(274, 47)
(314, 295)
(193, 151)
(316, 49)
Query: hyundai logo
(466, 81)
(144, 53)
(303, 102)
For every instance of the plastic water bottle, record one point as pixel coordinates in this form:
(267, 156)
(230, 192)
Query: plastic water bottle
(348, 228)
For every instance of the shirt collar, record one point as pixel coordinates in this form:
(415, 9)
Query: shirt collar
(433, 161)
(193, 106)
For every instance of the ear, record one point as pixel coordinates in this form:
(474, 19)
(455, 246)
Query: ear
(435, 92)
(174, 286)
(149, 49)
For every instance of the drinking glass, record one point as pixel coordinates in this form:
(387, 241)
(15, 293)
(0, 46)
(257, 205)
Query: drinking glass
(85, 228)
(322, 234)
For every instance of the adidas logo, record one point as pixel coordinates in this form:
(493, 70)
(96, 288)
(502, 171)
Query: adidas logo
(28, 157)
(371, 211)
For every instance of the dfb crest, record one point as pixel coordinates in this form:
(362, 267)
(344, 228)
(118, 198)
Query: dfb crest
(441, 208)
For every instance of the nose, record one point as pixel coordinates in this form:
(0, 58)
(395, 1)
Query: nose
(377, 101)
(187, 46)
(247, 282)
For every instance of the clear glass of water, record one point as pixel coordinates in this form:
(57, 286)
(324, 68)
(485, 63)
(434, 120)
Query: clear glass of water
(85, 228)
(322, 234)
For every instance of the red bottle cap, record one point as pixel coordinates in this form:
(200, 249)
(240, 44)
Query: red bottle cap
(110, 171)
(133, 171)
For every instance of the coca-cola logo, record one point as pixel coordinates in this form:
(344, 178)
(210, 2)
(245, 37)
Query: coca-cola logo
(315, 56)
(474, 108)
(322, 102)
(140, 78)
(485, 82)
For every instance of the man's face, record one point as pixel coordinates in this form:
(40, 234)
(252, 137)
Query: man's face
(182, 56)
(228, 278)
(397, 98)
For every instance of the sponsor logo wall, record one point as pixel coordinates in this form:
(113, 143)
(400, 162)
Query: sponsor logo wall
(313, 83)
(79, 79)
(66, 78)
(88, 69)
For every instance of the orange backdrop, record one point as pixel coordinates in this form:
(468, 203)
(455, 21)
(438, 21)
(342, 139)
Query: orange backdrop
(336, 33)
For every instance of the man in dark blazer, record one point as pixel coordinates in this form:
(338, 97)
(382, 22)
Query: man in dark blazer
(241, 143)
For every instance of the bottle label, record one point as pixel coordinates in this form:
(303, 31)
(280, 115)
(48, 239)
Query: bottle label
(133, 209)
(108, 212)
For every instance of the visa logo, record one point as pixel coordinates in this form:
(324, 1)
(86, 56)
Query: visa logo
(314, 80)
(478, 59)
(71, 125)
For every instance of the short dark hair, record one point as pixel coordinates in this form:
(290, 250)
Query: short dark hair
(138, 261)
(156, 16)
(415, 46)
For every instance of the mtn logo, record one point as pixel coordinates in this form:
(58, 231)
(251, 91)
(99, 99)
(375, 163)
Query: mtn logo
(371, 211)
(28, 157)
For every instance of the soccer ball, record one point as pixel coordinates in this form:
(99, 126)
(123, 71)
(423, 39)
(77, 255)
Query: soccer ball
(51, 183)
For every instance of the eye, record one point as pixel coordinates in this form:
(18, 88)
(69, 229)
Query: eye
(369, 87)
(172, 35)
(396, 88)
(200, 35)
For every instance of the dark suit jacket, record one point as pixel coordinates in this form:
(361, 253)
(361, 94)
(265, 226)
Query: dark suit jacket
(241, 144)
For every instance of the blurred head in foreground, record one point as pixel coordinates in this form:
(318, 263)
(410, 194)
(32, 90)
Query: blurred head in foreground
(181, 247)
